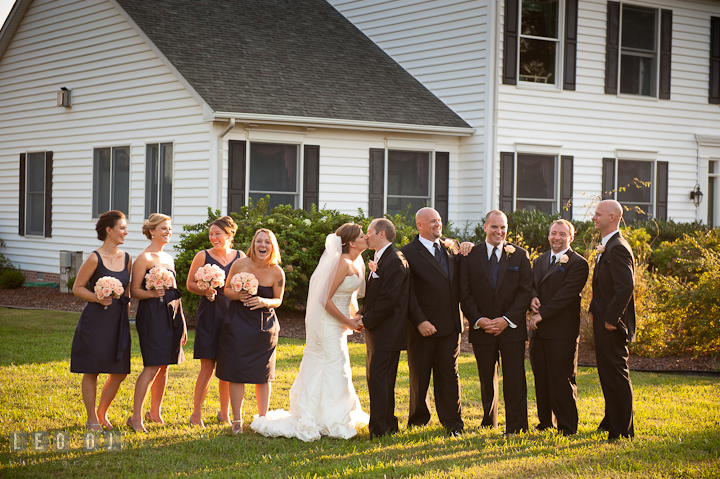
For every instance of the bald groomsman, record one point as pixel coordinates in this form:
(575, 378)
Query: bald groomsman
(613, 312)
(559, 277)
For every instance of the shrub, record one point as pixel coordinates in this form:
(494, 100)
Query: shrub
(71, 282)
(681, 258)
(11, 278)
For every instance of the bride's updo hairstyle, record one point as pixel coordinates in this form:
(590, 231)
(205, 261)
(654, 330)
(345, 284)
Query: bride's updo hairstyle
(347, 233)
(152, 222)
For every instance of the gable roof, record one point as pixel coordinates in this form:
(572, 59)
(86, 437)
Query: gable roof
(291, 58)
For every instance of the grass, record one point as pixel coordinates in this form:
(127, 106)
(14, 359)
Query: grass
(677, 424)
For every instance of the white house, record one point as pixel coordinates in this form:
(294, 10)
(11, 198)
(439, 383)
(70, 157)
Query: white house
(569, 98)
(179, 105)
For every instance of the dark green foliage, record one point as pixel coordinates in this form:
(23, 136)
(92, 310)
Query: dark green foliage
(11, 278)
(681, 257)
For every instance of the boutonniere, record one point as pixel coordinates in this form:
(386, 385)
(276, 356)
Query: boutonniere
(450, 245)
(509, 249)
(600, 249)
(372, 265)
(564, 259)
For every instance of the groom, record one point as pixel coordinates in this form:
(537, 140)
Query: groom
(384, 315)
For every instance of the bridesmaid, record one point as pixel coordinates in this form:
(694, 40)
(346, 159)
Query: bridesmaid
(160, 323)
(102, 338)
(210, 315)
(246, 353)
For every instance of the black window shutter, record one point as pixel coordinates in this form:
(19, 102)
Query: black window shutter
(311, 181)
(510, 42)
(566, 186)
(48, 193)
(21, 204)
(377, 183)
(442, 183)
(571, 19)
(236, 176)
(714, 96)
(507, 180)
(665, 53)
(612, 48)
(661, 190)
(608, 179)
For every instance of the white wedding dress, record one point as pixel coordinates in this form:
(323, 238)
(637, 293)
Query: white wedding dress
(323, 401)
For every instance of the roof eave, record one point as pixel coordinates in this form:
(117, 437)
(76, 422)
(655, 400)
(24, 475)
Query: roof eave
(311, 122)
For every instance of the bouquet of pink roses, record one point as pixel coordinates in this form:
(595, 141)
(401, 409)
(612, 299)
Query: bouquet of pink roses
(244, 282)
(158, 278)
(210, 276)
(108, 286)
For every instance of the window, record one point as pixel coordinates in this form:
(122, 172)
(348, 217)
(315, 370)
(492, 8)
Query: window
(531, 182)
(35, 191)
(714, 85)
(111, 180)
(158, 178)
(408, 181)
(641, 186)
(638, 51)
(274, 172)
(539, 41)
(712, 194)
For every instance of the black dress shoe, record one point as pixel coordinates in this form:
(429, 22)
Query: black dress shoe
(452, 433)
(542, 427)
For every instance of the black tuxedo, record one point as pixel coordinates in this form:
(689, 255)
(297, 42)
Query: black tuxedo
(614, 303)
(553, 346)
(510, 297)
(384, 311)
(434, 298)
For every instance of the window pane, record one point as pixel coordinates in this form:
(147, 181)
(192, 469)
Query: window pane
(630, 179)
(276, 199)
(35, 214)
(408, 173)
(101, 181)
(638, 28)
(166, 175)
(637, 75)
(35, 166)
(121, 179)
(536, 177)
(540, 18)
(637, 212)
(397, 204)
(35, 194)
(151, 179)
(537, 60)
(712, 198)
(273, 167)
(531, 205)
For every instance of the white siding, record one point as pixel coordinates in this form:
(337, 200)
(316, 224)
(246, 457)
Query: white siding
(442, 43)
(123, 95)
(591, 125)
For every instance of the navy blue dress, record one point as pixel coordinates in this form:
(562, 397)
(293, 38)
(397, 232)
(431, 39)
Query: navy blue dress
(102, 337)
(160, 326)
(210, 316)
(248, 339)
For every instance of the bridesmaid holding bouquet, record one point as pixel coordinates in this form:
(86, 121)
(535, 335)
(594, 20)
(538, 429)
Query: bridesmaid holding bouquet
(102, 337)
(211, 311)
(160, 322)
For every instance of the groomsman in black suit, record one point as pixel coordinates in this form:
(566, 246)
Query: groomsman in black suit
(384, 315)
(495, 288)
(613, 312)
(434, 324)
(559, 277)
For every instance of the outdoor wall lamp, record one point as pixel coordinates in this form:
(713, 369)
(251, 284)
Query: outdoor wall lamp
(64, 98)
(696, 195)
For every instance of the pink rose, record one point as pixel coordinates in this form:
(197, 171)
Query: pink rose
(509, 249)
(600, 249)
(564, 259)
(372, 265)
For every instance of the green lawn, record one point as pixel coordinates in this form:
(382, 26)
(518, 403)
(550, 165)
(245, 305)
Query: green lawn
(677, 424)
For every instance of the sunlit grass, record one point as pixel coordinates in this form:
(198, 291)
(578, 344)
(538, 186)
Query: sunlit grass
(677, 423)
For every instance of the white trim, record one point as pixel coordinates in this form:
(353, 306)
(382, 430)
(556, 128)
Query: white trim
(708, 140)
(538, 148)
(559, 51)
(336, 123)
(648, 155)
(405, 144)
(275, 136)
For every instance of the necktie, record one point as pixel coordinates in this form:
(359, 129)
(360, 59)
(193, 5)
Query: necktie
(494, 266)
(441, 258)
(552, 260)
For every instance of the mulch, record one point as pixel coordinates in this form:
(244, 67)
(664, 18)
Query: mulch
(292, 325)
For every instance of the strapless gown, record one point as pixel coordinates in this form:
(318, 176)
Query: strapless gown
(323, 401)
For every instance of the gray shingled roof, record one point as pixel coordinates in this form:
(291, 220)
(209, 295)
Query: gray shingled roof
(285, 57)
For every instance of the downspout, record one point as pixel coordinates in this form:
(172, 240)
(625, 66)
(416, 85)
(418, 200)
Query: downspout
(492, 119)
(217, 174)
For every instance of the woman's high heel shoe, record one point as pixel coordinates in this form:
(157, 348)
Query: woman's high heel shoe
(237, 427)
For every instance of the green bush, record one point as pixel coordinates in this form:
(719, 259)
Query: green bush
(681, 258)
(71, 282)
(11, 278)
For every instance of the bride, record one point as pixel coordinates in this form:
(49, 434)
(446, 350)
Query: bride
(322, 398)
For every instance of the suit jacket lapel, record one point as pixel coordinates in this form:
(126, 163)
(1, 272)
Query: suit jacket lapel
(486, 263)
(502, 265)
(429, 257)
(554, 267)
